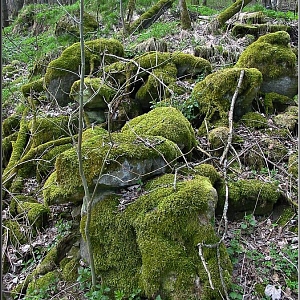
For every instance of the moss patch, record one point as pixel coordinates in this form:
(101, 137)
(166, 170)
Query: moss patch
(215, 92)
(249, 196)
(254, 120)
(167, 122)
(270, 54)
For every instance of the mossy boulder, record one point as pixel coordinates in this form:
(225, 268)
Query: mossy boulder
(218, 137)
(70, 270)
(167, 122)
(68, 24)
(254, 120)
(272, 55)
(115, 73)
(155, 240)
(96, 94)
(157, 87)
(274, 102)
(10, 125)
(248, 196)
(288, 119)
(36, 213)
(45, 129)
(15, 231)
(63, 72)
(214, 95)
(125, 158)
(33, 89)
(190, 66)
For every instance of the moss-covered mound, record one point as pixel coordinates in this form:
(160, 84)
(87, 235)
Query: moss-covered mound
(95, 93)
(248, 196)
(63, 72)
(254, 120)
(167, 122)
(125, 158)
(270, 54)
(215, 92)
(152, 245)
(68, 24)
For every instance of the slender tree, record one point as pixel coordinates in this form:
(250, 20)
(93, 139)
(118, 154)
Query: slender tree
(184, 15)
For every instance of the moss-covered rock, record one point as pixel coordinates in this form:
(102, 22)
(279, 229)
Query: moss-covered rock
(215, 92)
(155, 240)
(70, 270)
(7, 147)
(156, 87)
(15, 231)
(208, 171)
(125, 158)
(10, 125)
(63, 72)
(288, 119)
(33, 89)
(248, 196)
(274, 102)
(36, 214)
(167, 122)
(115, 73)
(254, 120)
(45, 129)
(190, 66)
(68, 24)
(95, 95)
(293, 164)
(218, 137)
(273, 57)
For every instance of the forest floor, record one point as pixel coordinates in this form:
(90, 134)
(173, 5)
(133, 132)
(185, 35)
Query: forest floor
(264, 250)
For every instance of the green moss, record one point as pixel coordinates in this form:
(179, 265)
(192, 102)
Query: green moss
(254, 120)
(42, 286)
(10, 125)
(67, 25)
(7, 147)
(152, 245)
(167, 122)
(168, 230)
(32, 88)
(93, 132)
(36, 213)
(143, 21)
(274, 102)
(15, 234)
(70, 270)
(248, 196)
(95, 95)
(115, 73)
(293, 165)
(288, 119)
(117, 257)
(270, 54)
(190, 66)
(156, 87)
(69, 61)
(215, 92)
(287, 214)
(47, 129)
(53, 193)
(208, 171)
(17, 148)
(218, 137)
(125, 147)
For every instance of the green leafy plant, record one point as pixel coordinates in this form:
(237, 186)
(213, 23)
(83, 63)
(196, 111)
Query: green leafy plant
(249, 223)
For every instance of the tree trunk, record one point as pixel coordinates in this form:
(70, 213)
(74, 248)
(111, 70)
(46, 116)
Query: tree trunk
(130, 9)
(184, 15)
(231, 11)
(150, 16)
(4, 14)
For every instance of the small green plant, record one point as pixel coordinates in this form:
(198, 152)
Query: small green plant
(236, 292)
(249, 223)
(63, 227)
(119, 295)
